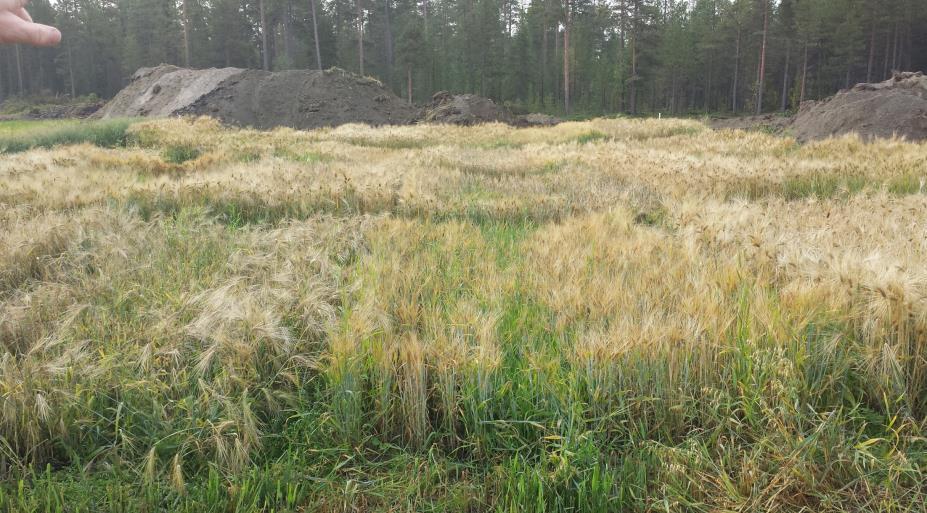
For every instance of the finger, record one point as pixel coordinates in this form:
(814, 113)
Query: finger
(12, 5)
(16, 30)
(23, 14)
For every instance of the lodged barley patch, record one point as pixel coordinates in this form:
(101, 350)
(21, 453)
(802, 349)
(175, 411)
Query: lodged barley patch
(611, 315)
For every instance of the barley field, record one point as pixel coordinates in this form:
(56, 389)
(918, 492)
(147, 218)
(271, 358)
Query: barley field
(611, 315)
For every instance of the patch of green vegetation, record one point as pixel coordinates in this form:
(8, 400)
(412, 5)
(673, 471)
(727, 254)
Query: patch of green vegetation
(303, 471)
(586, 482)
(592, 136)
(666, 132)
(305, 157)
(822, 186)
(553, 166)
(652, 217)
(505, 238)
(907, 184)
(835, 185)
(487, 214)
(180, 153)
(490, 170)
(391, 143)
(248, 155)
(254, 209)
(473, 191)
(18, 136)
(12, 127)
(501, 143)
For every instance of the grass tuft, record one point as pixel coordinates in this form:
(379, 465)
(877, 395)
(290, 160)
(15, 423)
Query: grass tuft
(104, 133)
(180, 153)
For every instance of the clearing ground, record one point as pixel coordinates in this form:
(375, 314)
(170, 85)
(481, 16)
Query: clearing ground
(613, 315)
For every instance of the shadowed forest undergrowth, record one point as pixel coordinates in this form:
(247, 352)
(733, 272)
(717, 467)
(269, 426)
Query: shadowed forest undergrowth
(612, 315)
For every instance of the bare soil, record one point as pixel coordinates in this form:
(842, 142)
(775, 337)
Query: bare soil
(465, 109)
(261, 99)
(297, 99)
(896, 107)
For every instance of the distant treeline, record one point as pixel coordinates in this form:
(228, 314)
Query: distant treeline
(588, 56)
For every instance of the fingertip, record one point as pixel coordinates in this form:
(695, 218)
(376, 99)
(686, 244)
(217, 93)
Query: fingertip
(47, 36)
(54, 36)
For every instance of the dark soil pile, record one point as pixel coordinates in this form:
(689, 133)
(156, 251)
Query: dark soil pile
(896, 107)
(465, 109)
(297, 99)
(261, 99)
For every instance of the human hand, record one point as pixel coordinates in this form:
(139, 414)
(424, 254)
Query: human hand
(16, 26)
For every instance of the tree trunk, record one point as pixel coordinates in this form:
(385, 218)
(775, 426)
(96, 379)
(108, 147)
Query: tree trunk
(6, 84)
(708, 85)
(19, 69)
(785, 76)
(633, 92)
(264, 45)
(895, 50)
(315, 35)
(692, 98)
(761, 78)
(288, 32)
(653, 96)
(185, 13)
(558, 87)
(872, 42)
(736, 73)
(804, 77)
(888, 47)
(360, 36)
(389, 38)
(71, 72)
(432, 62)
(545, 31)
(409, 82)
(566, 60)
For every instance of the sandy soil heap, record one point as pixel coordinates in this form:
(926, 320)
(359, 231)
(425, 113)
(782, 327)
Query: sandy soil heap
(897, 106)
(261, 99)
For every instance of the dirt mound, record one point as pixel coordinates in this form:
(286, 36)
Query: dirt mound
(465, 109)
(164, 91)
(897, 106)
(261, 99)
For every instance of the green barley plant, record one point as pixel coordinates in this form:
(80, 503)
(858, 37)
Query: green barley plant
(606, 315)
